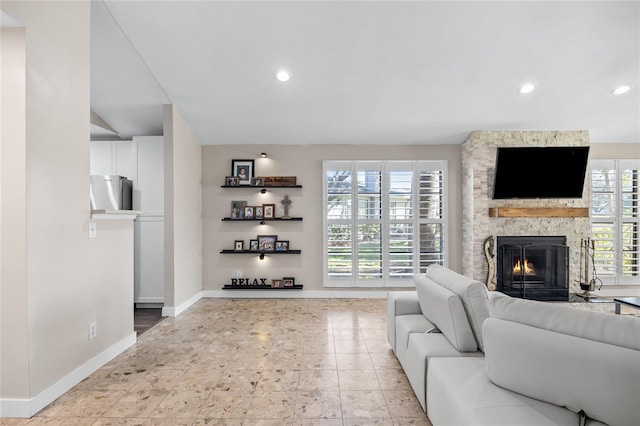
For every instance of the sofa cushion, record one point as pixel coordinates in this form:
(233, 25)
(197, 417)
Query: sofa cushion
(460, 393)
(473, 293)
(405, 326)
(422, 348)
(400, 303)
(556, 354)
(444, 309)
(612, 329)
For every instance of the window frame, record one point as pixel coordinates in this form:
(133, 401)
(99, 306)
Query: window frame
(385, 167)
(617, 220)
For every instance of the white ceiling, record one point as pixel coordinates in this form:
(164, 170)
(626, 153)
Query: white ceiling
(366, 72)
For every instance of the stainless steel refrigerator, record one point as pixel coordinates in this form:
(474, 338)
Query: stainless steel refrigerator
(111, 192)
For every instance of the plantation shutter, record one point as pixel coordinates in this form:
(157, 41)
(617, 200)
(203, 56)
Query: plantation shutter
(384, 221)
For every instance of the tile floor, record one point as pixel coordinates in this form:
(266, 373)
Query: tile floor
(250, 362)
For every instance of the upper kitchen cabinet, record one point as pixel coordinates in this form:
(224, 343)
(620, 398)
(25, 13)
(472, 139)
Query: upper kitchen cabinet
(113, 158)
(150, 183)
(142, 161)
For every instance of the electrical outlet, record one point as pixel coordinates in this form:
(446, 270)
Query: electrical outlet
(92, 330)
(93, 230)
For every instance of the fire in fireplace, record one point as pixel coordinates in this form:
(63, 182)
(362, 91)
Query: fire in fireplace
(533, 267)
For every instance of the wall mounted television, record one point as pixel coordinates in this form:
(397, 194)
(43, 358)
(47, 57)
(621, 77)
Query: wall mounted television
(540, 172)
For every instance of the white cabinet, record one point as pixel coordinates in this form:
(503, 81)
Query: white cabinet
(113, 158)
(150, 183)
(149, 260)
(142, 161)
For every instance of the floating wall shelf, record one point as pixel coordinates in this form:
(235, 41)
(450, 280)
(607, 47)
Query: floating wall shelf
(259, 187)
(260, 287)
(539, 212)
(224, 219)
(260, 252)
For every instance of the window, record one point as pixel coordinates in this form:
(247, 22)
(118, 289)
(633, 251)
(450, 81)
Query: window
(384, 221)
(615, 221)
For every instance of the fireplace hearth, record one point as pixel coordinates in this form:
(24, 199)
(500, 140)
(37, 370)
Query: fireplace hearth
(533, 267)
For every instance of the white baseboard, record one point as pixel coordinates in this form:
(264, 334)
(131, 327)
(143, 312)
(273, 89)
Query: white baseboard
(293, 294)
(149, 300)
(26, 408)
(177, 310)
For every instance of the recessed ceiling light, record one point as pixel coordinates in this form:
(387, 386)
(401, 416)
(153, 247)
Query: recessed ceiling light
(283, 76)
(526, 88)
(620, 90)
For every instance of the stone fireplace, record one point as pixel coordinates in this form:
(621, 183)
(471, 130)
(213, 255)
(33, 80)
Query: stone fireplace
(482, 218)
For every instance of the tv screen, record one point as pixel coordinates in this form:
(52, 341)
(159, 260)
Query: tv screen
(540, 172)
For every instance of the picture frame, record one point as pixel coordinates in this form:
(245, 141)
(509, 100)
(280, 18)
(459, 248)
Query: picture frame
(238, 245)
(277, 283)
(267, 242)
(259, 212)
(237, 209)
(243, 169)
(253, 245)
(269, 211)
(289, 281)
(248, 212)
(231, 181)
(282, 245)
(257, 181)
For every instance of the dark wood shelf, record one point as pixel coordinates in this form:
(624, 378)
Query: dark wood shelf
(260, 187)
(260, 287)
(260, 252)
(225, 219)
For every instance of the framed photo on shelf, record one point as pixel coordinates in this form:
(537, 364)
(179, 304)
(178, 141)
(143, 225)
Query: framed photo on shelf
(269, 211)
(237, 209)
(267, 242)
(239, 245)
(248, 212)
(282, 245)
(257, 181)
(289, 281)
(243, 170)
(259, 212)
(231, 181)
(277, 283)
(253, 245)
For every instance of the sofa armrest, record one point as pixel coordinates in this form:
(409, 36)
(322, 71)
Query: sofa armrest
(400, 303)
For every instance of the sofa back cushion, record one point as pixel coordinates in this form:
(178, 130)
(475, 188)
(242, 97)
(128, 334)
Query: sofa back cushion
(566, 356)
(472, 293)
(612, 329)
(444, 309)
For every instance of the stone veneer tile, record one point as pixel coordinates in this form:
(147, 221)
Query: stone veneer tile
(478, 162)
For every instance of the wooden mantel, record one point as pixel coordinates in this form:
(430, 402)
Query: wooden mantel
(539, 212)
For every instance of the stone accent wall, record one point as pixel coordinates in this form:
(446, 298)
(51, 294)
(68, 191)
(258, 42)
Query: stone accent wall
(478, 163)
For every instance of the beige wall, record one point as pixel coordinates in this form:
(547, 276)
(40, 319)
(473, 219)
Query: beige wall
(14, 330)
(614, 151)
(305, 162)
(71, 280)
(183, 207)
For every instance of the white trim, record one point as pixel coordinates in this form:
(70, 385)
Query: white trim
(143, 299)
(293, 294)
(175, 311)
(26, 408)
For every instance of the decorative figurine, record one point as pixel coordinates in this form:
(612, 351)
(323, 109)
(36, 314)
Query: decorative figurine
(491, 266)
(286, 203)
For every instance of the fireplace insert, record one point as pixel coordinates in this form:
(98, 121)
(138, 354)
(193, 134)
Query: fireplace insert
(533, 267)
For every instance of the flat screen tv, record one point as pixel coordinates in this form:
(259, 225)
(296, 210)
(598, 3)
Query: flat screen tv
(540, 172)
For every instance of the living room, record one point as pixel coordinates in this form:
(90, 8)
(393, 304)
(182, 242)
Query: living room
(56, 281)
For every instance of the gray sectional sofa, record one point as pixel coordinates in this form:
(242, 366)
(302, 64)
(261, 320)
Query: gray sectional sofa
(475, 357)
